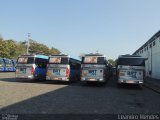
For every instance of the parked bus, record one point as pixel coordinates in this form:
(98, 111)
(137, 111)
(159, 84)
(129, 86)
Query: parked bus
(94, 67)
(63, 68)
(8, 65)
(2, 65)
(31, 67)
(130, 69)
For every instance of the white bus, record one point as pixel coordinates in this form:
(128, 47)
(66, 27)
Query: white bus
(63, 68)
(94, 67)
(130, 69)
(31, 67)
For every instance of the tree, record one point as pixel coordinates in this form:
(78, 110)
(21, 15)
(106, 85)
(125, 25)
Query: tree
(3, 49)
(1, 38)
(42, 49)
(12, 49)
(112, 62)
(54, 51)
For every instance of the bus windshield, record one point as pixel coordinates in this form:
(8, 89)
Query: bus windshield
(59, 60)
(131, 61)
(25, 60)
(93, 60)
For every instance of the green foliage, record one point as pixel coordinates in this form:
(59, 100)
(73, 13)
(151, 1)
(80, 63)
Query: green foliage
(12, 49)
(1, 38)
(112, 62)
(3, 49)
(42, 49)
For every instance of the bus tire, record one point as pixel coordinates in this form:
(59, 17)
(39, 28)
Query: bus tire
(140, 86)
(119, 84)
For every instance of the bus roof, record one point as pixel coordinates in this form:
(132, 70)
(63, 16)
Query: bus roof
(75, 60)
(64, 55)
(33, 55)
(59, 55)
(92, 54)
(130, 56)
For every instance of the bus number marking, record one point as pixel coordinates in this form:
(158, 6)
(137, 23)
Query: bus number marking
(131, 74)
(56, 71)
(23, 70)
(92, 72)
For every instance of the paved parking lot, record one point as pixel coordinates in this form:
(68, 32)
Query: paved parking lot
(24, 96)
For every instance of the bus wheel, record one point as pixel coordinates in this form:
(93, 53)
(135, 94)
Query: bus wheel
(101, 84)
(119, 84)
(140, 86)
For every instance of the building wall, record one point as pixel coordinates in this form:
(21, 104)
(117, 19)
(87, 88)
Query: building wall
(151, 51)
(156, 59)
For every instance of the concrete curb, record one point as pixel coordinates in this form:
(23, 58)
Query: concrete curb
(151, 84)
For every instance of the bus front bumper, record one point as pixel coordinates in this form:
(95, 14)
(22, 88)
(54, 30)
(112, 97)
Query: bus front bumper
(93, 79)
(131, 81)
(24, 77)
(57, 78)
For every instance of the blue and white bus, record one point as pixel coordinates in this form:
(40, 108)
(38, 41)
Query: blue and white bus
(2, 65)
(63, 68)
(31, 67)
(8, 65)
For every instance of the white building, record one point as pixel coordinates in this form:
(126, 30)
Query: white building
(151, 51)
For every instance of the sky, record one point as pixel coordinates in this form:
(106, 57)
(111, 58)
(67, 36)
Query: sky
(75, 27)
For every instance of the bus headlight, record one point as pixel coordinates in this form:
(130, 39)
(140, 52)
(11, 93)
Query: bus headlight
(83, 79)
(100, 79)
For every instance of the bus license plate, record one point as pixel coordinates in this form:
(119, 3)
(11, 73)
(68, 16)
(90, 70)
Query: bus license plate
(55, 78)
(92, 72)
(129, 81)
(92, 79)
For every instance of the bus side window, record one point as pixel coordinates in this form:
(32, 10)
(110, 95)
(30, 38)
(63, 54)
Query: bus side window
(30, 60)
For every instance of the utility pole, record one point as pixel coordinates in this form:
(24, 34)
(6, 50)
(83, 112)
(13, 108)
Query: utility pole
(29, 35)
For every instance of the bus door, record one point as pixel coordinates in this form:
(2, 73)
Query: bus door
(40, 68)
(25, 67)
(75, 67)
